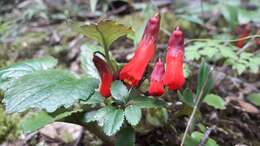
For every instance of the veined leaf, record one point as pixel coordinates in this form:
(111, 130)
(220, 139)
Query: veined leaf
(26, 67)
(119, 91)
(105, 32)
(98, 115)
(47, 90)
(113, 121)
(133, 114)
(125, 137)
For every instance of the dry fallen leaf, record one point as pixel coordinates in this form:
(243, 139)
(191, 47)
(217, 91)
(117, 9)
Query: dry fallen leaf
(243, 105)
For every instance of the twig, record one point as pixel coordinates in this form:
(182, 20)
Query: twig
(206, 136)
(235, 40)
(194, 111)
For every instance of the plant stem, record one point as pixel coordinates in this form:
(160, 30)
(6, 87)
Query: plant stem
(194, 111)
(106, 50)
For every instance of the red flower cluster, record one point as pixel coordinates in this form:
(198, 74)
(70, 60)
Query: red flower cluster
(172, 76)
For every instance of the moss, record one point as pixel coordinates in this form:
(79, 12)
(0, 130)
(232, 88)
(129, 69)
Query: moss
(8, 126)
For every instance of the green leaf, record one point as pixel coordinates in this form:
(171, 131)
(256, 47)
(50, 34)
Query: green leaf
(98, 115)
(95, 98)
(227, 52)
(86, 59)
(193, 54)
(187, 97)
(146, 102)
(197, 136)
(254, 98)
(189, 141)
(125, 137)
(205, 80)
(35, 121)
(22, 68)
(192, 18)
(186, 70)
(119, 91)
(215, 101)
(105, 32)
(59, 115)
(230, 13)
(113, 121)
(133, 114)
(239, 67)
(47, 90)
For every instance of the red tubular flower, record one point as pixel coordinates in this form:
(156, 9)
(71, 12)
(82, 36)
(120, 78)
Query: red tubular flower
(243, 31)
(173, 77)
(133, 72)
(105, 75)
(156, 82)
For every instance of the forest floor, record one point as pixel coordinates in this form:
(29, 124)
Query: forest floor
(30, 30)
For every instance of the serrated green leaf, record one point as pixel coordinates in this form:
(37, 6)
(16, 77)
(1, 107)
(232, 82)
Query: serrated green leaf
(254, 98)
(205, 80)
(209, 51)
(22, 68)
(86, 59)
(146, 102)
(133, 114)
(35, 121)
(125, 137)
(214, 101)
(98, 115)
(119, 91)
(227, 52)
(105, 32)
(193, 54)
(113, 121)
(239, 67)
(47, 90)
